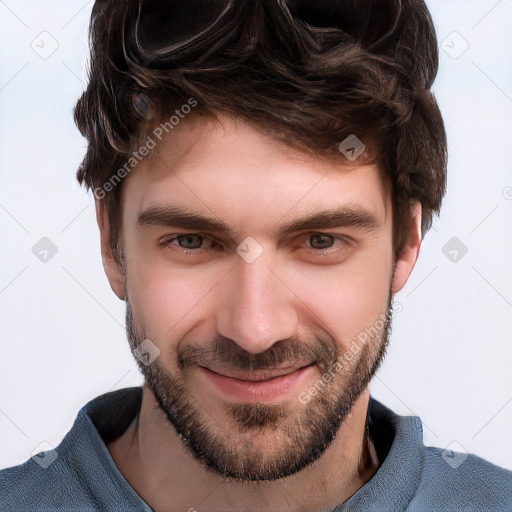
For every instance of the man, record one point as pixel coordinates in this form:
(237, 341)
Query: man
(264, 174)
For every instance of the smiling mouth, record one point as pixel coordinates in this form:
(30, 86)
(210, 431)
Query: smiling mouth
(257, 385)
(258, 375)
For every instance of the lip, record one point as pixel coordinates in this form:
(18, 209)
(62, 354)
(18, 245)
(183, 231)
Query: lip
(258, 375)
(257, 386)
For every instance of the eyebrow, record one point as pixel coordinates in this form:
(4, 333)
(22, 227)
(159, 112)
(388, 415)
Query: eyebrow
(176, 216)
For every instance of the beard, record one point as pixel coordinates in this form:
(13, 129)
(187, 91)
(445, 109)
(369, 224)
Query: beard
(262, 441)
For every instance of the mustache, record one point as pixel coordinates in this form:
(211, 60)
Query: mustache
(223, 351)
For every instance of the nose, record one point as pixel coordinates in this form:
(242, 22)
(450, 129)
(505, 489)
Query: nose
(256, 309)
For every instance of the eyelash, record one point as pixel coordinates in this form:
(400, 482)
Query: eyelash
(167, 243)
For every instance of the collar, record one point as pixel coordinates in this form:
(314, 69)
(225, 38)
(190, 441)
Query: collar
(397, 439)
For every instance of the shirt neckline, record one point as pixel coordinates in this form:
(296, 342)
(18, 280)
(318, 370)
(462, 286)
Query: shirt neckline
(397, 439)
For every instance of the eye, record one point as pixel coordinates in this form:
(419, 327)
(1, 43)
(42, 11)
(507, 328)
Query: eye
(321, 241)
(326, 244)
(188, 242)
(195, 244)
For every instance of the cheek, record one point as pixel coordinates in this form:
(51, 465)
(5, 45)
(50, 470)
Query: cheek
(165, 300)
(349, 298)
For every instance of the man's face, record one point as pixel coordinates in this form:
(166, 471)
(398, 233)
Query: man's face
(265, 342)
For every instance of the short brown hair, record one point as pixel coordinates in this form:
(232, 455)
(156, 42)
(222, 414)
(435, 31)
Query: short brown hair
(311, 73)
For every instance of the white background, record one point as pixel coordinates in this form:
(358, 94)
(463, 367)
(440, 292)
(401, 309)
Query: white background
(62, 329)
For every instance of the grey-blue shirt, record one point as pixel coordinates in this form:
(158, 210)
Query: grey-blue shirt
(80, 474)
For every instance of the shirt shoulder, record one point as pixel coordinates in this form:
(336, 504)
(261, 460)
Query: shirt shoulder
(32, 486)
(461, 481)
(413, 477)
(79, 474)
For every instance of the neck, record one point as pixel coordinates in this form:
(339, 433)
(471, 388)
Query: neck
(153, 459)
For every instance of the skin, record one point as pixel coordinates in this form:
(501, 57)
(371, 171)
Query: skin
(211, 298)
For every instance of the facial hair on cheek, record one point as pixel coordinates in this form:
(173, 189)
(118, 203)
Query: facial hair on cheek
(304, 433)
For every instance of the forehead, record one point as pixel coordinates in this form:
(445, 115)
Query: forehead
(237, 165)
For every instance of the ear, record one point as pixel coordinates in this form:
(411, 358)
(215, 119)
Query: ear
(407, 258)
(111, 264)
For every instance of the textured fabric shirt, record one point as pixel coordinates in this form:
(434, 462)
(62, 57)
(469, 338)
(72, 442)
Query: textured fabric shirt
(80, 474)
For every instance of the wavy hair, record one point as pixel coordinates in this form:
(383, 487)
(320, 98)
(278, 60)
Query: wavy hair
(310, 73)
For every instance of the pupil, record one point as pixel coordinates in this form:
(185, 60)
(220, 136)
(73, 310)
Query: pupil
(189, 239)
(324, 239)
